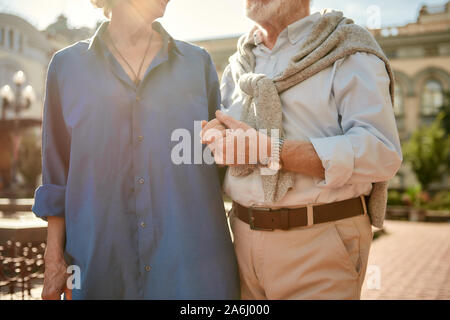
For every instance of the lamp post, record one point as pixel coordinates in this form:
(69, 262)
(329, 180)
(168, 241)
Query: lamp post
(17, 100)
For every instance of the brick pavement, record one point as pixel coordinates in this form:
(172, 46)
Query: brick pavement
(414, 262)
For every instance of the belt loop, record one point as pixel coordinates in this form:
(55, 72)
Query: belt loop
(310, 214)
(251, 218)
(363, 200)
(284, 219)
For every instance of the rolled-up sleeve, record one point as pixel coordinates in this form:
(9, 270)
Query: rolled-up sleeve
(369, 149)
(49, 198)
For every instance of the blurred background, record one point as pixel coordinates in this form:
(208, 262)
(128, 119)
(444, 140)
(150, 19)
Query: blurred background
(410, 256)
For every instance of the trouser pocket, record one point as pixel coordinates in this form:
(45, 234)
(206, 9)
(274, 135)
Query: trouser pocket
(348, 242)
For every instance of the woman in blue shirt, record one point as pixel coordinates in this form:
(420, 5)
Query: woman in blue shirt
(135, 224)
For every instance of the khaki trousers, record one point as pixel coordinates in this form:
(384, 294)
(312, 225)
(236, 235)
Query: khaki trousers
(325, 261)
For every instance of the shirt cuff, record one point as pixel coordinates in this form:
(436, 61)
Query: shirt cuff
(337, 156)
(49, 201)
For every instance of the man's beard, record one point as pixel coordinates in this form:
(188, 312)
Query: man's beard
(261, 12)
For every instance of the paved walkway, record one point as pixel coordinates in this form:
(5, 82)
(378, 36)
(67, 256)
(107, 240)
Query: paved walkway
(35, 294)
(413, 260)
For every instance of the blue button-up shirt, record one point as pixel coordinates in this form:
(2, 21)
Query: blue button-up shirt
(138, 225)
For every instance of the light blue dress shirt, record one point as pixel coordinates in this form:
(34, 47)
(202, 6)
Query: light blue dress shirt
(137, 225)
(344, 111)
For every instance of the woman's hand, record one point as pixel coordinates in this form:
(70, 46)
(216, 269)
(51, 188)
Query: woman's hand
(55, 276)
(211, 131)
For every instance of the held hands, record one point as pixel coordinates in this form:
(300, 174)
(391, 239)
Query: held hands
(234, 143)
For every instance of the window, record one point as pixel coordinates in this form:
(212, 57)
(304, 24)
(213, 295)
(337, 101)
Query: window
(432, 97)
(431, 51)
(398, 100)
(20, 43)
(11, 39)
(2, 36)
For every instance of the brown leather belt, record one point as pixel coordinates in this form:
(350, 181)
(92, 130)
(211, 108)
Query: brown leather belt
(285, 219)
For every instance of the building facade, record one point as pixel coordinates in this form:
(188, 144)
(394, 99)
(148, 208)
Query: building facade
(420, 56)
(23, 47)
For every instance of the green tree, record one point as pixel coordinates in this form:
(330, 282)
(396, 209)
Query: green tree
(446, 109)
(427, 152)
(446, 121)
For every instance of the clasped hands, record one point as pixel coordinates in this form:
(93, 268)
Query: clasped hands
(234, 143)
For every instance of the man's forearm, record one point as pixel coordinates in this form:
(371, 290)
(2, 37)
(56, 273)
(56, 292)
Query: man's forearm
(56, 236)
(301, 157)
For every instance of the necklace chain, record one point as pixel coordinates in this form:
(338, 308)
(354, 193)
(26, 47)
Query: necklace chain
(136, 75)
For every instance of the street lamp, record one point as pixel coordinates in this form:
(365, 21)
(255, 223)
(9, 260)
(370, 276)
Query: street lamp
(28, 93)
(18, 100)
(19, 78)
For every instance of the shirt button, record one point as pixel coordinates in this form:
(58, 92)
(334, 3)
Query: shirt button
(140, 138)
(132, 190)
(138, 98)
(148, 268)
(143, 224)
(141, 180)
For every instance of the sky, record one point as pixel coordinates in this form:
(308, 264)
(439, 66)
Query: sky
(204, 19)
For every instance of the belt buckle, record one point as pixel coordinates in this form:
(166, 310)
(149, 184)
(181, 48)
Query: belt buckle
(251, 220)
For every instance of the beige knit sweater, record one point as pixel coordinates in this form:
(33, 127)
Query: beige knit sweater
(332, 37)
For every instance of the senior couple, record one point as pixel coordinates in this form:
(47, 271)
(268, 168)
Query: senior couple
(139, 226)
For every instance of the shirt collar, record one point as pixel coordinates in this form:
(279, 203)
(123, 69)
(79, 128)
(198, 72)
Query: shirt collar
(166, 37)
(294, 32)
(301, 28)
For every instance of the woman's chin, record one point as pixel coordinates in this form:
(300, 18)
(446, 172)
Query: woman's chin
(160, 10)
(152, 10)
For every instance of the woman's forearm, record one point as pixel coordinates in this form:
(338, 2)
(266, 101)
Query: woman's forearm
(55, 276)
(56, 236)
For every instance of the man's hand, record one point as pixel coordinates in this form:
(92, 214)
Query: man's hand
(55, 276)
(234, 142)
